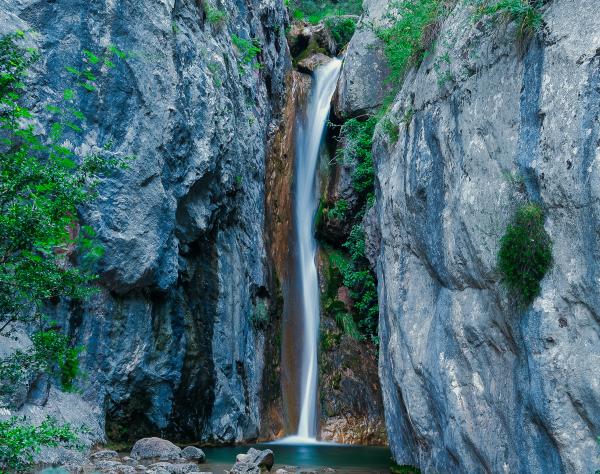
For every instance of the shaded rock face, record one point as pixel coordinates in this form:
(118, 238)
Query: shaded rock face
(170, 347)
(362, 85)
(471, 382)
(350, 394)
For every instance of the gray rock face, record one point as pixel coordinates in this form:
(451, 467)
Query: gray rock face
(361, 86)
(170, 347)
(471, 382)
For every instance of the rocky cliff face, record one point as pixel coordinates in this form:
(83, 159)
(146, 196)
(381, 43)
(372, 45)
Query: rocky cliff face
(472, 382)
(172, 342)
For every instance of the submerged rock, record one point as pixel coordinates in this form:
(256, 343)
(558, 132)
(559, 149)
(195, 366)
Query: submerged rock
(155, 448)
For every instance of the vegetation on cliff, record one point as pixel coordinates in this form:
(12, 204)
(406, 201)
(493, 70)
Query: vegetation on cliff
(316, 11)
(44, 250)
(525, 252)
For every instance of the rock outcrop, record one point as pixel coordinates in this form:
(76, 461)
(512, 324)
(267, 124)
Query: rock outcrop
(362, 85)
(171, 346)
(471, 381)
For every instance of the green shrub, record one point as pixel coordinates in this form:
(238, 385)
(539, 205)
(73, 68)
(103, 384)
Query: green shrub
(248, 50)
(339, 210)
(411, 34)
(50, 353)
(341, 28)
(329, 340)
(346, 322)
(42, 184)
(525, 252)
(260, 314)
(526, 13)
(20, 441)
(315, 11)
(391, 129)
(215, 16)
(356, 138)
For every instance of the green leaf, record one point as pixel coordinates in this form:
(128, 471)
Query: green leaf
(69, 94)
(54, 109)
(72, 126)
(92, 58)
(72, 70)
(120, 54)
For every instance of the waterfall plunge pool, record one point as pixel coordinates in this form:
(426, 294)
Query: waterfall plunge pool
(349, 459)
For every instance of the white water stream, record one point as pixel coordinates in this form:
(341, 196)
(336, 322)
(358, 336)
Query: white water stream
(309, 136)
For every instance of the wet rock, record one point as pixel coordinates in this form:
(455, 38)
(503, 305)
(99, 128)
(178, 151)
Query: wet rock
(104, 455)
(254, 461)
(179, 468)
(309, 64)
(304, 37)
(245, 468)
(263, 459)
(108, 466)
(193, 453)
(155, 448)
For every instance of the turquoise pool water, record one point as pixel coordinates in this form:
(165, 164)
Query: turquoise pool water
(352, 458)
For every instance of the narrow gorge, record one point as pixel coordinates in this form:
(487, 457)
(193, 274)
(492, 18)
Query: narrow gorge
(360, 237)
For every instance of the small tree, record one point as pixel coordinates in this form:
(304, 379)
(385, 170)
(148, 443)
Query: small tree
(20, 441)
(41, 185)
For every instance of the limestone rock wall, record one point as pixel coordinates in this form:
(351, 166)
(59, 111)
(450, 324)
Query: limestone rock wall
(171, 344)
(471, 382)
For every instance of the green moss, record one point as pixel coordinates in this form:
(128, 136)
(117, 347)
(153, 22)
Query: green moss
(312, 48)
(525, 254)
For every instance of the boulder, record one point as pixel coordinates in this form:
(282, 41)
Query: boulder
(193, 453)
(264, 459)
(254, 461)
(155, 448)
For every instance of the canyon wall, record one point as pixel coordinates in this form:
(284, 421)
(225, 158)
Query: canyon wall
(471, 381)
(175, 340)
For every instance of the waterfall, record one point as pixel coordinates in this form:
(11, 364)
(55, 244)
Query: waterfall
(309, 136)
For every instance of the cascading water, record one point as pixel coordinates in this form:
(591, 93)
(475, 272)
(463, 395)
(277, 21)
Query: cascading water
(309, 136)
